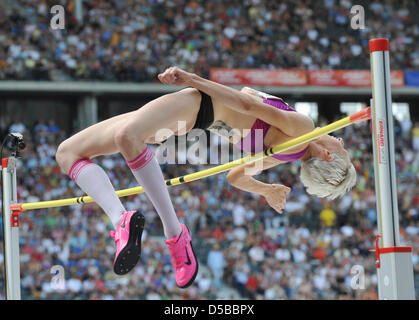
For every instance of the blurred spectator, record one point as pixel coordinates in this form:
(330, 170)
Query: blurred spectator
(215, 262)
(328, 216)
(17, 126)
(415, 138)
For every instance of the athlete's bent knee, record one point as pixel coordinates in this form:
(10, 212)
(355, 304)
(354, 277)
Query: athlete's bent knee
(64, 156)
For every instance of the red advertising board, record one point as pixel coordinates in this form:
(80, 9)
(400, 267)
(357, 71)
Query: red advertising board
(349, 78)
(259, 77)
(294, 77)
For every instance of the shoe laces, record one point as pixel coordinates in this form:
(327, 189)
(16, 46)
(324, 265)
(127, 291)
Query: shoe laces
(177, 252)
(114, 236)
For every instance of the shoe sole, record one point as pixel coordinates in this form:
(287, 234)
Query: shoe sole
(129, 256)
(196, 269)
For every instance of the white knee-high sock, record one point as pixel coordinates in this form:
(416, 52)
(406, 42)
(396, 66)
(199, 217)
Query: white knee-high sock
(93, 180)
(148, 174)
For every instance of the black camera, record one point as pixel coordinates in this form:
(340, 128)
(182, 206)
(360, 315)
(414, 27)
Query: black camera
(15, 143)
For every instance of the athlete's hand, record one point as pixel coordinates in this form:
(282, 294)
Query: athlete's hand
(275, 195)
(175, 76)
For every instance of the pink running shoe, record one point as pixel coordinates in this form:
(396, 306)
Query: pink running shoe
(127, 239)
(183, 258)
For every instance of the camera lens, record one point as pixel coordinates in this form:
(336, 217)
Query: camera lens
(21, 145)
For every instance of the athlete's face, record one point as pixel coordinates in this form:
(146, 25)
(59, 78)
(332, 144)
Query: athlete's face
(333, 145)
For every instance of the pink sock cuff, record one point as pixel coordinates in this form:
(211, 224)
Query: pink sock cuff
(77, 167)
(141, 160)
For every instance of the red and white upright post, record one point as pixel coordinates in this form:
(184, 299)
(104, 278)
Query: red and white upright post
(11, 229)
(394, 262)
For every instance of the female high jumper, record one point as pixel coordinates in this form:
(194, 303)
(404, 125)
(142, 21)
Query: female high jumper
(326, 169)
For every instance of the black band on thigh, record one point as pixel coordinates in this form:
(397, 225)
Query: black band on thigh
(206, 113)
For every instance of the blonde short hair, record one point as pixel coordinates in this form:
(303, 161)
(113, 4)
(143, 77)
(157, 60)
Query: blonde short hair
(327, 179)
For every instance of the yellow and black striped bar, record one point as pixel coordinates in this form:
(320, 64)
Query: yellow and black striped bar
(362, 115)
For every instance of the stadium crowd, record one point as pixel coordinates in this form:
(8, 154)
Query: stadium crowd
(309, 252)
(112, 43)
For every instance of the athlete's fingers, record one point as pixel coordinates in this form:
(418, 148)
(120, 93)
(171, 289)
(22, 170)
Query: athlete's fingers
(160, 76)
(172, 76)
(166, 77)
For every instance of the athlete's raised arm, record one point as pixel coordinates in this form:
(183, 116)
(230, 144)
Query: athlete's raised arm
(291, 123)
(230, 97)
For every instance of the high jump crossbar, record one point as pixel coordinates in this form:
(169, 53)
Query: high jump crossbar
(359, 116)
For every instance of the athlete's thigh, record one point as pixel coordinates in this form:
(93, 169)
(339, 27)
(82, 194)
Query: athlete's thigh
(98, 139)
(170, 112)
(164, 112)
